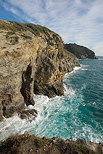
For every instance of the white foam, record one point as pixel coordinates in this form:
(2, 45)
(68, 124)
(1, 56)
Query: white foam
(43, 125)
(45, 107)
(82, 65)
(41, 102)
(40, 99)
(30, 107)
(10, 126)
(76, 68)
(84, 69)
(69, 91)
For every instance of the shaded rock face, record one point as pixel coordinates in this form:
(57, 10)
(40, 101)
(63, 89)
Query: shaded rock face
(27, 85)
(80, 52)
(51, 67)
(32, 60)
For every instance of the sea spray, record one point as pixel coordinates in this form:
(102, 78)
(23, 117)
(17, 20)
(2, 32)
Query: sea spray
(62, 116)
(77, 114)
(10, 126)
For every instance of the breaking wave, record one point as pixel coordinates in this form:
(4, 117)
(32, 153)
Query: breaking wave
(77, 114)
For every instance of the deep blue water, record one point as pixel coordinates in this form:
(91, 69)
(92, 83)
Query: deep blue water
(78, 114)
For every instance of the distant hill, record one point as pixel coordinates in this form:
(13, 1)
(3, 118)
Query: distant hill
(80, 52)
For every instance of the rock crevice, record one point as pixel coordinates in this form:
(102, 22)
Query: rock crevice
(32, 60)
(27, 85)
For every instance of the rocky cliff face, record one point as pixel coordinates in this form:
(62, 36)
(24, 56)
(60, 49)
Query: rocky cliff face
(32, 60)
(80, 52)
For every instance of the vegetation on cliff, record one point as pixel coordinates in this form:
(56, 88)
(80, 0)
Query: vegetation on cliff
(80, 52)
(30, 144)
(14, 27)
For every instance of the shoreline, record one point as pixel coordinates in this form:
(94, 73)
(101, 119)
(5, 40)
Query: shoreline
(30, 107)
(39, 106)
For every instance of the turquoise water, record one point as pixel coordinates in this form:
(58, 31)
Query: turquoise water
(78, 114)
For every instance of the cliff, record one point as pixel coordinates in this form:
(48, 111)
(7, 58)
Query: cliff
(32, 60)
(80, 52)
(30, 144)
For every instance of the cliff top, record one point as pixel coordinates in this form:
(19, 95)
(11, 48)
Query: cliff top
(16, 26)
(13, 27)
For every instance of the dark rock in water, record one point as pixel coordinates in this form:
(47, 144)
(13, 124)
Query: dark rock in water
(8, 109)
(32, 60)
(30, 144)
(27, 114)
(80, 52)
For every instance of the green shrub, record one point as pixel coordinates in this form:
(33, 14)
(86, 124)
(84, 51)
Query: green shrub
(39, 143)
(26, 37)
(10, 33)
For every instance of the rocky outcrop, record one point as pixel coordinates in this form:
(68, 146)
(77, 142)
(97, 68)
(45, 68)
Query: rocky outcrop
(80, 52)
(51, 67)
(30, 144)
(32, 60)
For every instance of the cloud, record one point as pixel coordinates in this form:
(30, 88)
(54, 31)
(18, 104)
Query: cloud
(98, 48)
(79, 21)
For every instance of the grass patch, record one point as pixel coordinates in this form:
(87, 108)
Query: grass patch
(51, 43)
(51, 38)
(13, 27)
(39, 143)
(26, 37)
(10, 33)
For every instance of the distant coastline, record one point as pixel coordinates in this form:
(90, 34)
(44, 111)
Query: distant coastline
(79, 51)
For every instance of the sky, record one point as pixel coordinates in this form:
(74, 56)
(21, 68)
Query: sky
(76, 21)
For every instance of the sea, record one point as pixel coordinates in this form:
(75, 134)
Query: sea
(77, 114)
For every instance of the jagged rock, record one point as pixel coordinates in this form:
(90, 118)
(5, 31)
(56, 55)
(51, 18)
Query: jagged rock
(27, 114)
(32, 60)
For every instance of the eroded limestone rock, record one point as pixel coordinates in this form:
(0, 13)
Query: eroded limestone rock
(32, 60)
